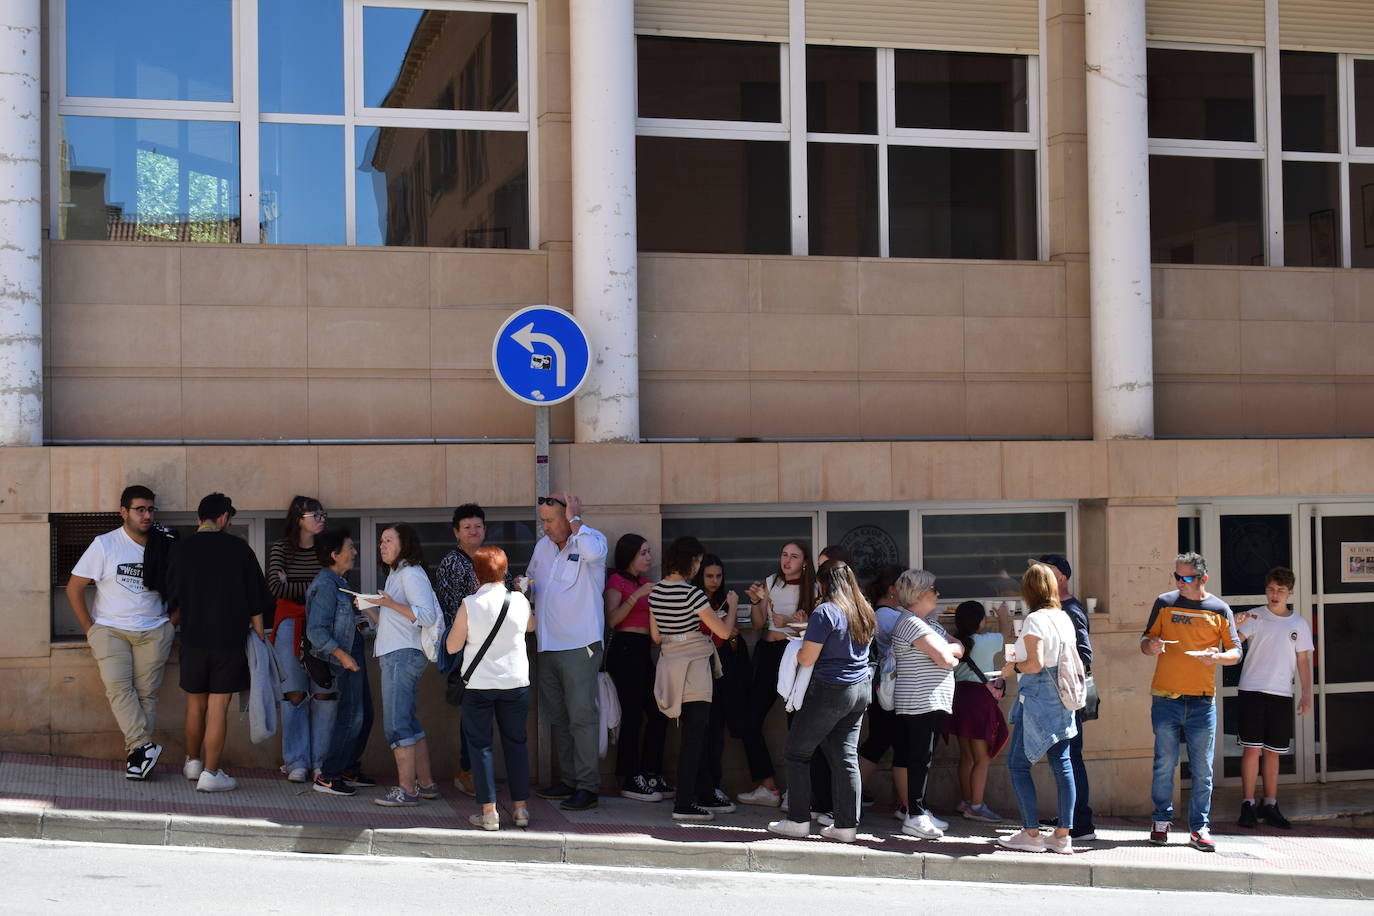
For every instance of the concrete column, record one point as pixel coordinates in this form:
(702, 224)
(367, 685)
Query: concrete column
(1119, 220)
(605, 294)
(21, 224)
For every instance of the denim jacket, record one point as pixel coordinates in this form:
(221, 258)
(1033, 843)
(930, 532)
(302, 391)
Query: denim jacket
(330, 621)
(1040, 714)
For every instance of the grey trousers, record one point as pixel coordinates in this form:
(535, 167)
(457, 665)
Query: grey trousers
(567, 695)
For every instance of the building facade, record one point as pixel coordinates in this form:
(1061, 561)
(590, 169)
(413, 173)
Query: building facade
(951, 284)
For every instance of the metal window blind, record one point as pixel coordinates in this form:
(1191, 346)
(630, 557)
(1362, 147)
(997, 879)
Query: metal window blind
(1229, 22)
(753, 20)
(1327, 25)
(1002, 26)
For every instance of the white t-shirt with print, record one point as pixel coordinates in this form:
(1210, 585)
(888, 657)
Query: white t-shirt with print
(1054, 628)
(1272, 644)
(114, 561)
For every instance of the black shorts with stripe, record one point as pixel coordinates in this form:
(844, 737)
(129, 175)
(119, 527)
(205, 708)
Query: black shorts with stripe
(1266, 721)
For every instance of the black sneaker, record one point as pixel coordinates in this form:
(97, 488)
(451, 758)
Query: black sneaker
(1271, 815)
(1247, 815)
(660, 785)
(718, 803)
(337, 786)
(581, 800)
(556, 791)
(638, 788)
(359, 781)
(141, 760)
(692, 813)
(1083, 833)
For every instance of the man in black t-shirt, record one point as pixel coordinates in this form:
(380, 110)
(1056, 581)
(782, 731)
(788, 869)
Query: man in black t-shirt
(215, 581)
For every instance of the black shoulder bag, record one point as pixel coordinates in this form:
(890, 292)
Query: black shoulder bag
(458, 678)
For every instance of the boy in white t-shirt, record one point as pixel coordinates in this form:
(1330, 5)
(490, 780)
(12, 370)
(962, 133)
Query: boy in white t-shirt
(1278, 643)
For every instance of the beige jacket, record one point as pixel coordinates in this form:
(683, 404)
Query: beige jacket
(686, 669)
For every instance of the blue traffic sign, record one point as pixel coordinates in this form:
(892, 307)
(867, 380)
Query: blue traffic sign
(541, 355)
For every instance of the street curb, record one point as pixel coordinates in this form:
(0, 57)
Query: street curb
(773, 855)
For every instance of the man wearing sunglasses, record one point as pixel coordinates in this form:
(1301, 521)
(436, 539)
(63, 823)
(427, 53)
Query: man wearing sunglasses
(568, 574)
(1190, 632)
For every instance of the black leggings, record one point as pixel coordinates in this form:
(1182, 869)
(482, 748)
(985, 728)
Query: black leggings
(694, 785)
(729, 705)
(763, 693)
(921, 732)
(642, 726)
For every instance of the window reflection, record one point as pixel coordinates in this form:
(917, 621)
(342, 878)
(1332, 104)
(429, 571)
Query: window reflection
(441, 60)
(1311, 214)
(954, 91)
(302, 184)
(749, 547)
(696, 78)
(875, 539)
(1201, 95)
(1361, 215)
(1309, 119)
(300, 56)
(442, 188)
(151, 49)
(841, 90)
(843, 199)
(961, 203)
(984, 555)
(136, 179)
(1205, 211)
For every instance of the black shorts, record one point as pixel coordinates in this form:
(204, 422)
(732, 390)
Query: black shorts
(1265, 721)
(214, 670)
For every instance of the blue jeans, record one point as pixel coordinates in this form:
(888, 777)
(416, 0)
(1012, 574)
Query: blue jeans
(1191, 719)
(401, 670)
(306, 726)
(510, 708)
(353, 720)
(1082, 811)
(829, 722)
(1024, 786)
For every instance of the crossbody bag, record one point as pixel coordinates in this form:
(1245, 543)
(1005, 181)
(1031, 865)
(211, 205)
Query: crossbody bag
(458, 678)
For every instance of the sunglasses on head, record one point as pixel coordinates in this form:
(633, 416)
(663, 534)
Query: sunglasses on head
(1188, 579)
(552, 501)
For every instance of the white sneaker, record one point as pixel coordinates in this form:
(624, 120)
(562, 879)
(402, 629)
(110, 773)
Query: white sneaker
(192, 768)
(795, 829)
(921, 826)
(824, 818)
(1022, 841)
(937, 821)
(216, 781)
(762, 795)
(843, 834)
(1060, 844)
(296, 775)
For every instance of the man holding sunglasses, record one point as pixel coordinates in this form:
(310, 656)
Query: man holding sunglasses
(568, 574)
(1190, 632)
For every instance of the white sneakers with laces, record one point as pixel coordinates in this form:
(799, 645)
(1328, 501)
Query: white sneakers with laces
(798, 830)
(922, 826)
(1023, 841)
(215, 781)
(192, 768)
(761, 795)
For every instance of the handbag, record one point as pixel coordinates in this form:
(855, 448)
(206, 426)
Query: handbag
(315, 667)
(997, 686)
(458, 678)
(1092, 707)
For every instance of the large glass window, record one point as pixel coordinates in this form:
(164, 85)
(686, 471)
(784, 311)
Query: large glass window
(983, 555)
(446, 60)
(300, 56)
(181, 50)
(875, 538)
(1362, 214)
(1206, 211)
(1201, 95)
(841, 90)
(1309, 102)
(962, 203)
(944, 90)
(1311, 214)
(749, 547)
(1364, 103)
(843, 198)
(302, 204)
(699, 79)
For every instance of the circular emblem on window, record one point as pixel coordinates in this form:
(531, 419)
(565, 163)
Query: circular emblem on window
(872, 547)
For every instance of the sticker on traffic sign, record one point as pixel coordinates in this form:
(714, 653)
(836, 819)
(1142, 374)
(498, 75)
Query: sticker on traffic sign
(541, 355)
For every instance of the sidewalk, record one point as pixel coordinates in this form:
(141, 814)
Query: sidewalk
(64, 798)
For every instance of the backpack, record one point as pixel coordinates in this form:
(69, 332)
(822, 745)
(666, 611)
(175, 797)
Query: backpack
(1071, 681)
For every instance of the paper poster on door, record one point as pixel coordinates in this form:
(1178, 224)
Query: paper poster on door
(1357, 561)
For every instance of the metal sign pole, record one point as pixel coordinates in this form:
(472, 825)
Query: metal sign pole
(541, 488)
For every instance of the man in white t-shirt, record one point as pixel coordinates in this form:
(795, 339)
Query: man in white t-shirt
(1278, 644)
(127, 626)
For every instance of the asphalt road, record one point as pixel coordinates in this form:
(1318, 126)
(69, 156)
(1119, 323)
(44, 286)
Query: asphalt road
(76, 878)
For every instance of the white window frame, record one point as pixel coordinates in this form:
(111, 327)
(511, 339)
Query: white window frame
(244, 109)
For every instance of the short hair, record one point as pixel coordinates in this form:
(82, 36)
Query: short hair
(1194, 559)
(1281, 576)
(1039, 587)
(885, 579)
(489, 563)
(911, 584)
(626, 549)
(213, 505)
(678, 559)
(329, 542)
(133, 492)
(837, 552)
(468, 510)
(411, 553)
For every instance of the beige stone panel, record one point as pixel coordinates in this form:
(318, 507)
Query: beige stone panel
(1354, 460)
(946, 470)
(560, 467)
(712, 474)
(1014, 344)
(1142, 535)
(462, 338)
(687, 408)
(560, 275)
(1287, 347)
(555, 211)
(900, 343)
(1202, 347)
(490, 475)
(1133, 587)
(1355, 409)
(1017, 408)
(1054, 470)
(243, 337)
(1080, 418)
(254, 476)
(1287, 294)
(134, 336)
(28, 608)
(1364, 286)
(349, 338)
(1077, 289)
(834, 471)
(394, 476)
(1307, 467)
(1198, 293)
(242, 275)
(1285, 408)
(1068, 200)
(77, 697)
(819, 286)
(97, 745)
(1078, 344)
(616, 524)
(911, 409)
(1345, 293)
(693, 342)
(245, 408)
(803, 343)
(104, 273)
(488, 278)
(555, 145)
(367, 278)
(1133, 776)
(693, 283)
(613, 473)
(115, 408)
(1187, 408)
(90, 478)
(481, 409)
(369, 408)
(1142, 468)
(810, 408)
(1354, 348)
(891, 286)
(556, 82)
(1228, 468)
(1123, 678)
(24, 480)
(27, 743)
(1014, 290)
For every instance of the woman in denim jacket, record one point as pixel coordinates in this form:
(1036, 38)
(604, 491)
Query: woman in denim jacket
(330, 627)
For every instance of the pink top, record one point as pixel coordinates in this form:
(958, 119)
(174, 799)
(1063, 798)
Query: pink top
(639, 614)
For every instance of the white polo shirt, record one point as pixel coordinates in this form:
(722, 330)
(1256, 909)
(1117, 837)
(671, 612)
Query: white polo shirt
(569, 610)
